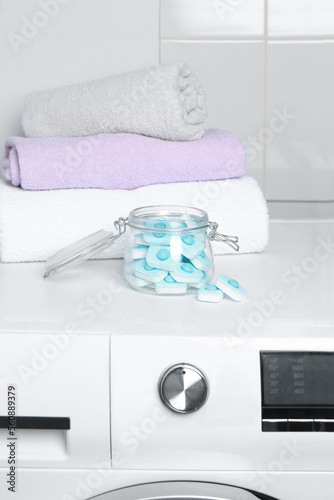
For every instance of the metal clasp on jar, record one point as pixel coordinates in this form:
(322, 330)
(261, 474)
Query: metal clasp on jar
(213, 235)
(120, 224)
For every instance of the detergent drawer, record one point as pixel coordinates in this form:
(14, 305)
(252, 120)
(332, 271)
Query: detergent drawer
(56, 386)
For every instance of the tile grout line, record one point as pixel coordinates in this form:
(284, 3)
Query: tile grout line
(159, 29)
(225, 39)
(265, 87)
(303, 201)
(255, 38)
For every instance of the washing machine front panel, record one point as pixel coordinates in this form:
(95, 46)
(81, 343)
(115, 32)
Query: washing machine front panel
(226, 433)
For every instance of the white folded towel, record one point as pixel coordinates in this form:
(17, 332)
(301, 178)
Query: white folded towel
(165, 101)
(36, 224)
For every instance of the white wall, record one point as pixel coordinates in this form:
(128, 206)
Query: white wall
(257, 60)
(267, 67)
(69, 41)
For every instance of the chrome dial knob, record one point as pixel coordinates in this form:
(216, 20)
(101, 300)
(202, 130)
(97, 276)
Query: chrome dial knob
(183, 388)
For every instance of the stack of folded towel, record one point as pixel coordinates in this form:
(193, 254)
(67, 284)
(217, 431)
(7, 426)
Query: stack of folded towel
(95, 151)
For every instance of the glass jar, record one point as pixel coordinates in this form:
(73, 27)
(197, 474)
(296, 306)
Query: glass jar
(167, 250)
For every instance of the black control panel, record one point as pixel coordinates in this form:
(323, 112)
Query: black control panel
(297, 391)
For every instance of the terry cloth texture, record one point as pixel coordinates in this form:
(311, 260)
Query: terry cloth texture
(120, 161)
(36, 224)
(165, 101)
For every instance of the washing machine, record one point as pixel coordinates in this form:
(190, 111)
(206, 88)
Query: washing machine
(112, 394)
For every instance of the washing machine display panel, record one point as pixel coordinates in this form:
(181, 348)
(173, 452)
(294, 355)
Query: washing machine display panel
(298, 378)
(297, 391)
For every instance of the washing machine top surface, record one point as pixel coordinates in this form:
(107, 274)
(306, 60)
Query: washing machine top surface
(291, 290)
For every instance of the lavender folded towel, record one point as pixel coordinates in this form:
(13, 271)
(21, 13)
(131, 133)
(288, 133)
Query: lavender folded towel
(165, 101)
(120, 161)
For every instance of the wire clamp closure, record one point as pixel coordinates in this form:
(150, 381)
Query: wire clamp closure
(213, 235)
(120, 224)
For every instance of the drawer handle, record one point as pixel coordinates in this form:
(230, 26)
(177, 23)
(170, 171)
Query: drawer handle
(54, 423)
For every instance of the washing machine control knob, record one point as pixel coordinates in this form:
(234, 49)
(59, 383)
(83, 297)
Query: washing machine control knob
(183, 388)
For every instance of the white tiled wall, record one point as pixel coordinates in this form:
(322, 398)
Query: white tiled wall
(300, 158)
(203, 19)
(48, 43)
(229, 106)
(267, 67)
(300, 18)
(225, 48)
